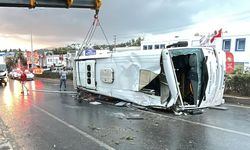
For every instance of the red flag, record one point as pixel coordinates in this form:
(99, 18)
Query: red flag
(216, 36)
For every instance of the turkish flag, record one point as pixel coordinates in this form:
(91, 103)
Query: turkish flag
(216, 36)
(229, 63)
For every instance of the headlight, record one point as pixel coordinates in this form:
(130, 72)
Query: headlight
(3, 74)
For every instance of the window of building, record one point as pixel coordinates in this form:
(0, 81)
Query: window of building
(145, 47)
(240, 44)
(150, 47)
(162, 46)
(226, 45)
(157, 46)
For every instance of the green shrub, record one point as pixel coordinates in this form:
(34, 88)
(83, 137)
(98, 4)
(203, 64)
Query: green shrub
(53, 75)
(238, 84)
(238, 69)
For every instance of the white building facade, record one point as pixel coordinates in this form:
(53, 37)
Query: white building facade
(238, 45)
(54, 60)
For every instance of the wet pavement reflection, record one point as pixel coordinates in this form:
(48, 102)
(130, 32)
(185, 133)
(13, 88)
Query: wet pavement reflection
(34, 118)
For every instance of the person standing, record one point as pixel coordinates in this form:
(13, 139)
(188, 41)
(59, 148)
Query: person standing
(23, 79)
(63, 78)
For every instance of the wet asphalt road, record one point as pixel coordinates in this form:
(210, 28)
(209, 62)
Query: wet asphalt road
(51, 120)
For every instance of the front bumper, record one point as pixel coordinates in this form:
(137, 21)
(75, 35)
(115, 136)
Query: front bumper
(3, 79)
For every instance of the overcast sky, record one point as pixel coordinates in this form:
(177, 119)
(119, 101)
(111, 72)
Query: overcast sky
(125, 18)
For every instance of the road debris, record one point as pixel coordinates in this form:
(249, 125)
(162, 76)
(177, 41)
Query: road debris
(129, 138)
(134, 117)
(95, 103)
(119, 115)
(121, 104)
(219, 108)
(141, 107)
(94, 128)
(6, 146)
(4, 139)
(195, 111)
(178, 113)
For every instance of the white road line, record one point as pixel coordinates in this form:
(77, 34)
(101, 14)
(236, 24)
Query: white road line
(49, 91)
(102, 144)
(202, 124)
(239, 106)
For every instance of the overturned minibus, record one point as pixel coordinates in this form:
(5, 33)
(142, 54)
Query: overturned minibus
(182, 77)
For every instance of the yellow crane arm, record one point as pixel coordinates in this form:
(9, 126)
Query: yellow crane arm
(91, 4)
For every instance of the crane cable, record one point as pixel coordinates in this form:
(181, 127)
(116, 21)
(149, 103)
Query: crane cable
(91, 33)
(89, 37)
(103, 31)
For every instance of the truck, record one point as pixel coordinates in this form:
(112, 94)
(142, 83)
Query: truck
(3, 70)
(178, 77)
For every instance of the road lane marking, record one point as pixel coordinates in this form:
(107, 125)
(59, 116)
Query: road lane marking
(101, 143)
(49, 91)
(239, 106)
(201, 124)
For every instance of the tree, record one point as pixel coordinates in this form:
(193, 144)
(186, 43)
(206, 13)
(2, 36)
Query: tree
(10, 63)
(132, 42)
(61, 50)
(20, 56)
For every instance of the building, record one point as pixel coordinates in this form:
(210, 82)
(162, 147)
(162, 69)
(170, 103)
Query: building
(238, 45)
(52, 60)
(66, 60)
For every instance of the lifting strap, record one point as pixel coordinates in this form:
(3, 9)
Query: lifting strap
(91, 33)
(88, 38)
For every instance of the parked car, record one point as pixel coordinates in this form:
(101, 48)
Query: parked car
(10, 74)
(3, 74)
(15, 74)
(30, 76)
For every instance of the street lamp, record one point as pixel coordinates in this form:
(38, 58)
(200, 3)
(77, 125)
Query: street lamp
(32, 53)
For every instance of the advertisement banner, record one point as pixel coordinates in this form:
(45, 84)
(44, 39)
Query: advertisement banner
(229, 63)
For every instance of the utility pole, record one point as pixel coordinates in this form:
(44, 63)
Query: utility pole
(114, 42)
(32, 53)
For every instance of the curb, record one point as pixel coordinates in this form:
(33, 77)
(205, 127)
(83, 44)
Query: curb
(237, 100)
